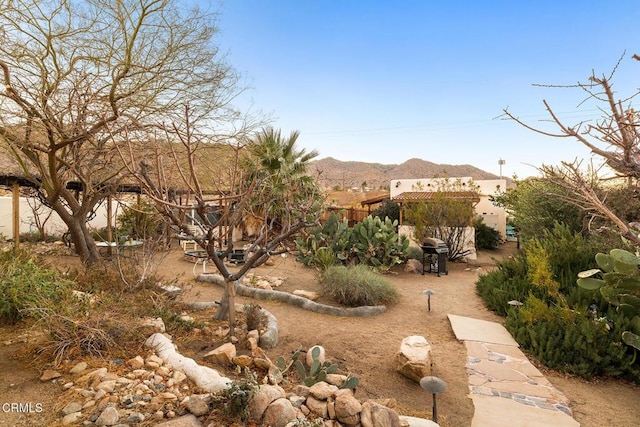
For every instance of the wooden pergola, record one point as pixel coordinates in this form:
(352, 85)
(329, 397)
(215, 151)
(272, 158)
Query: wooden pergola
(409, 197)
(374, 201)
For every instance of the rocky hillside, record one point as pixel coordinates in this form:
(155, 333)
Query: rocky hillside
(334, 173)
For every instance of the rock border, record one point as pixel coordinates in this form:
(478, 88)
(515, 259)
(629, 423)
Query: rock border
(307, 304)
(268, 339)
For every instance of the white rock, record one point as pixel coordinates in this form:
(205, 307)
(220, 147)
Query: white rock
(136, 363)
(207, 379)
(156, 323)
(321, 356)
(262, 399)
(108, 386)
(222, 355)
(71, 408)
(306, 294)
(71, 418)
(108, 417)
(79, 367)
(416, 422)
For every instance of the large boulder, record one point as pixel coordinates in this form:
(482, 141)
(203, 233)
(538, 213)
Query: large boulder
(279, 413)
(263, 398)
(347, 407)
(413, 360)
(223, 354)
(413, 266)
(375, 415)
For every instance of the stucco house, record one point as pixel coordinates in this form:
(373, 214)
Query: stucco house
(477, 192)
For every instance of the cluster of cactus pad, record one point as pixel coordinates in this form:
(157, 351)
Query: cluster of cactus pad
(318, 371)
(373, 242)
(618, 280)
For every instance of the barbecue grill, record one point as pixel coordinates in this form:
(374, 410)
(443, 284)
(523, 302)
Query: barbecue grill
(437, 252)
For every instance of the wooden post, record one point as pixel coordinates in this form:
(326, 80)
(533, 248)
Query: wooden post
(16, 214)
(109, 224)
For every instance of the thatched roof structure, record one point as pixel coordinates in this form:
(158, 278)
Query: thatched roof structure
(11, 171)
(212, 165)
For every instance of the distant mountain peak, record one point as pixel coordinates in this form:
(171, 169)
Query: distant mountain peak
(334, 173)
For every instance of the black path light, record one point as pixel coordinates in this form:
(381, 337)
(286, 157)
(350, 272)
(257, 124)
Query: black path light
(428, 293)
(433, 385)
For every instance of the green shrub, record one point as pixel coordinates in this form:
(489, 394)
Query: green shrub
(139, 221)
(537, 204)
(414, 252)
(486, 237)
(24, 285)
(235, 399)
(357, 285)
(571, 341)
(388, 209)
(555, 324)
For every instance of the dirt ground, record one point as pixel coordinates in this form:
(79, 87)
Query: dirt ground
(364, 347)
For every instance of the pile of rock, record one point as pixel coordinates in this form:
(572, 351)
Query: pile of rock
(262, 282)
(141, 389)
(336, 407)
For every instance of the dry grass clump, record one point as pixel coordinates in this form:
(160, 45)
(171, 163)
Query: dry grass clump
(94, 312)
(358, 285)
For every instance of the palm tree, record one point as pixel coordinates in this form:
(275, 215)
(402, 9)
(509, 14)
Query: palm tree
(283, 188)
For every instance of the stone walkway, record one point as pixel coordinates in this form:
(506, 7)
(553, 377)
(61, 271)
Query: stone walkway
(506, 389)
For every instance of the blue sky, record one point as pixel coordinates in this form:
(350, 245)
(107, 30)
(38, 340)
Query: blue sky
(383, 81)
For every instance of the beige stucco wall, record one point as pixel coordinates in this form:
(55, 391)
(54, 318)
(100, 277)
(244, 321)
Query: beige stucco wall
(469, 237)
(54, 225)
(493, 216)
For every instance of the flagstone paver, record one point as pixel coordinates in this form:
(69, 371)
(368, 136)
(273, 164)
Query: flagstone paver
(506, 389)
(468, 329)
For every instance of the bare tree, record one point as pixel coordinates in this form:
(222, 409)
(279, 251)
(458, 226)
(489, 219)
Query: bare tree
(81, 77)
(614, 138)
(279, 199)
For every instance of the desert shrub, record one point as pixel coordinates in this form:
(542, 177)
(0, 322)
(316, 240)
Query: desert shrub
(139, 221)
(35, 237)
(537, 204)
(414, 252)
(235, 399)
(388, 209)
(486, 237)
(253, 316)
(551, 261)
(357, 285)
(572, 341)
(372, 242)
(324, 258)
(555, 324)
(506, 283)
(26, 286)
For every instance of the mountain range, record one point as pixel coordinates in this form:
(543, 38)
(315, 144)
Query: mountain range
(333, 173)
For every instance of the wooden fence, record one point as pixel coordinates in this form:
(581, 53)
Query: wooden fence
(353, 215)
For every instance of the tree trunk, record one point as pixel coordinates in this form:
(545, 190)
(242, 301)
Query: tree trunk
(83, 243)
(226, 310)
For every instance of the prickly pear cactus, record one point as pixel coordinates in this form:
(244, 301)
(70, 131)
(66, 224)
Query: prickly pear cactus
(618, 280)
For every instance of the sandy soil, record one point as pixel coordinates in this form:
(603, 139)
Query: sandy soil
(365, 347)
